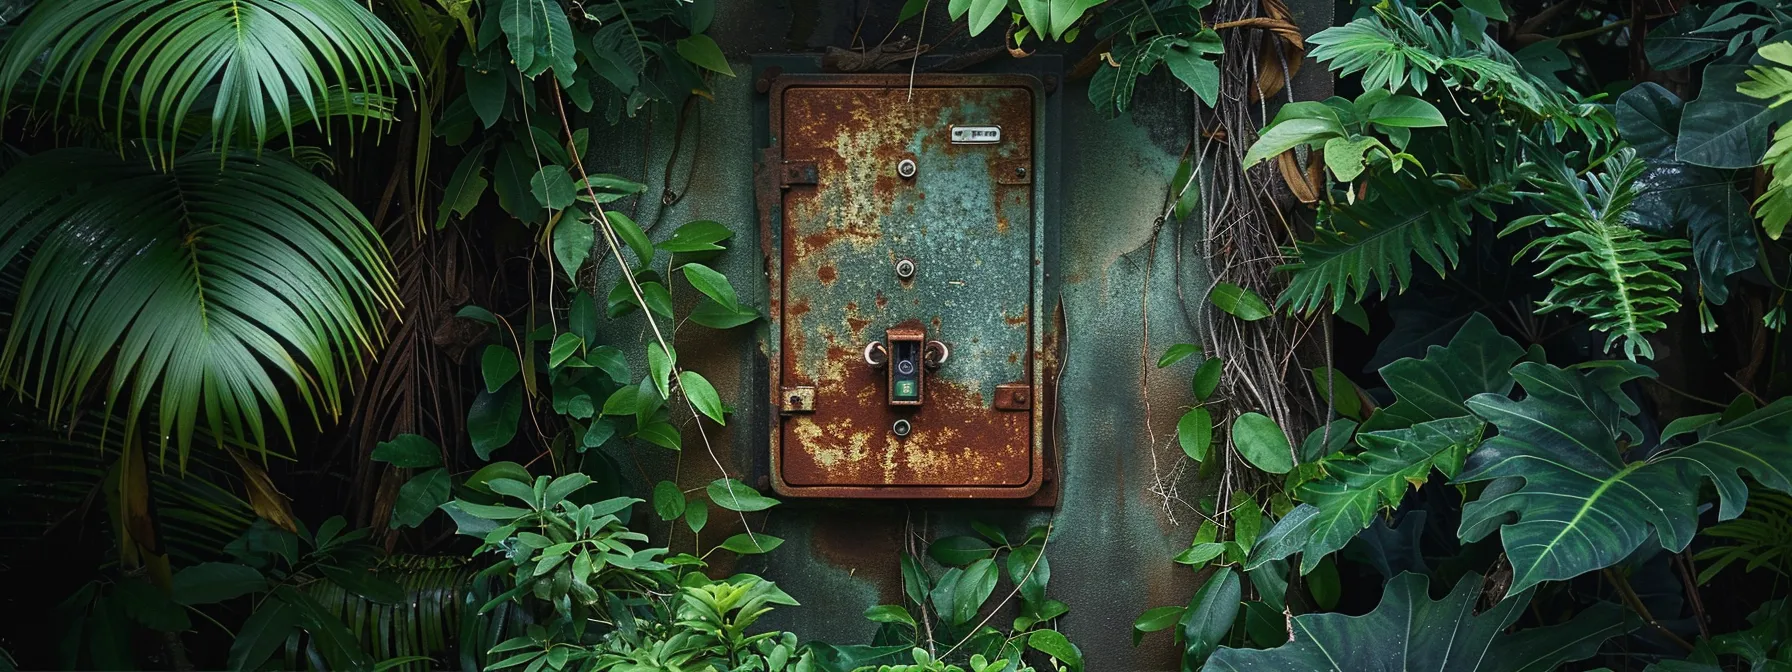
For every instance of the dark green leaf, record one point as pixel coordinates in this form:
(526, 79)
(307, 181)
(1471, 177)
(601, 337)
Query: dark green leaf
(668, 500)
(1177, 353)
(1408, 631)
(703, 52)
(889, 613)
(465, 188)
(408, 451)
(702, 395)
(1054, 644)
(498, 364)
(1723, 128)
(552, 187)
(419, 497)
(1210, 614)
(716, 316)
(712, 284)
(698, 236)
(1154, 620)
(1207, 378)
(1400, 111)
(487, 91)
(958, 551)
(491, 424)
(262, 634)
(214, 582)
(1478, 359)
(630, 234)
(572, 244)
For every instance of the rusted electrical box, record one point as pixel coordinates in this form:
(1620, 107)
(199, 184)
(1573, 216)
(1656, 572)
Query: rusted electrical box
(904, 240)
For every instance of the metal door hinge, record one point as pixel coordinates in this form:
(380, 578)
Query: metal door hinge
(799, 172)
(800, 399)
(1014, 397)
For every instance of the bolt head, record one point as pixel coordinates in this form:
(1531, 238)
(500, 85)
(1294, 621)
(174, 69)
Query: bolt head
(905, 269)
(901, 428)
(906, 168)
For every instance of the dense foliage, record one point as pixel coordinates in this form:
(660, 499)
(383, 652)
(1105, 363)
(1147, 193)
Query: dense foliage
(1532, 418)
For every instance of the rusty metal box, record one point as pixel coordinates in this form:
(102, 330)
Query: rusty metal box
(905, 211)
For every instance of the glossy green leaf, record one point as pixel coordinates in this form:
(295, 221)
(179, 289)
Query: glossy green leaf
(262, 634)
(487, 91)
(717, 316)
(498, 365)
(1056, 645)
(660, 364)
(1409, 631)
(1402, 111)
(712, 284)
(573, 237)
(1156, 619)
(971, 590)
(702, 51)
(889, 613)
(734, 495)
(552, 187)
(408, 451)
(752, 544)
(631, 234)
(1207, 378)
(1477, 359)
(1210, 614)
(702, 395)
(1291, 133)
(1723, 128)
(668, 500)
(1194, 431)
(1262, 443)
(696, 515)
(1238, 302)
(698, 236)
(1177, 353)
(563, 348)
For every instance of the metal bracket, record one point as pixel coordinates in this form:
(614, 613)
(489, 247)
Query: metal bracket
(800, 399)
(799, 172)
(1014, 397)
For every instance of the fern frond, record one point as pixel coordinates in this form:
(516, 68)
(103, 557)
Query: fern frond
(1774, 207)
(1601, 267)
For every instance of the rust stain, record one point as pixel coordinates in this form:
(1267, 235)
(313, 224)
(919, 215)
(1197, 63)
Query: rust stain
(827, 274)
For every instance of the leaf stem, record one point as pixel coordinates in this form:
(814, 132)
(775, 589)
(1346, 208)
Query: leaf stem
(1630, 599)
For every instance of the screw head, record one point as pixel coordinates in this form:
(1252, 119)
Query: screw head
(905, 269)
(906, 168)
(1020, 172)
(901, 428)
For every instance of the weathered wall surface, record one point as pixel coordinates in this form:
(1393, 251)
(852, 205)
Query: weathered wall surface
(1124, 509)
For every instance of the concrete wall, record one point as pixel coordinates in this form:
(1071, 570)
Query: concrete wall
(1114, 528)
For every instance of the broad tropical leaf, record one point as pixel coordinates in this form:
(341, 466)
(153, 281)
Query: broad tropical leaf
(256, 66)
(1616, 275)
(1567, 503)
(1357, 486)
(200, 286)
(1410, 632)
(1477, 359)
(1429, 426)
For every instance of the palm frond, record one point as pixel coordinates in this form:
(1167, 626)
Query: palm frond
(438, 620)
(1601, 267)
(257, 66)
(199, 286)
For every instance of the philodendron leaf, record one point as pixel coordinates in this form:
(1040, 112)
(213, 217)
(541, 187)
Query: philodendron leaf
(1580, 506)
(1478, 359)
(1408, 631)
(1356, 487)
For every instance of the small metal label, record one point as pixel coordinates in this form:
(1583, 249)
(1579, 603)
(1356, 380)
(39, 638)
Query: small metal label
(976, 135)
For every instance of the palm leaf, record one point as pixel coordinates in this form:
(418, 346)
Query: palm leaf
(257, 66)
(201, 285)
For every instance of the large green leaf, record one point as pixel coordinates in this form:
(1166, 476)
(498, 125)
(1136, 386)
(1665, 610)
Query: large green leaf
(256, 67)
(1567, 503)
(1410, 632)
(1724, 128)
(202, 286)
(1477, 359)
(540, 37)
(1357, 486)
